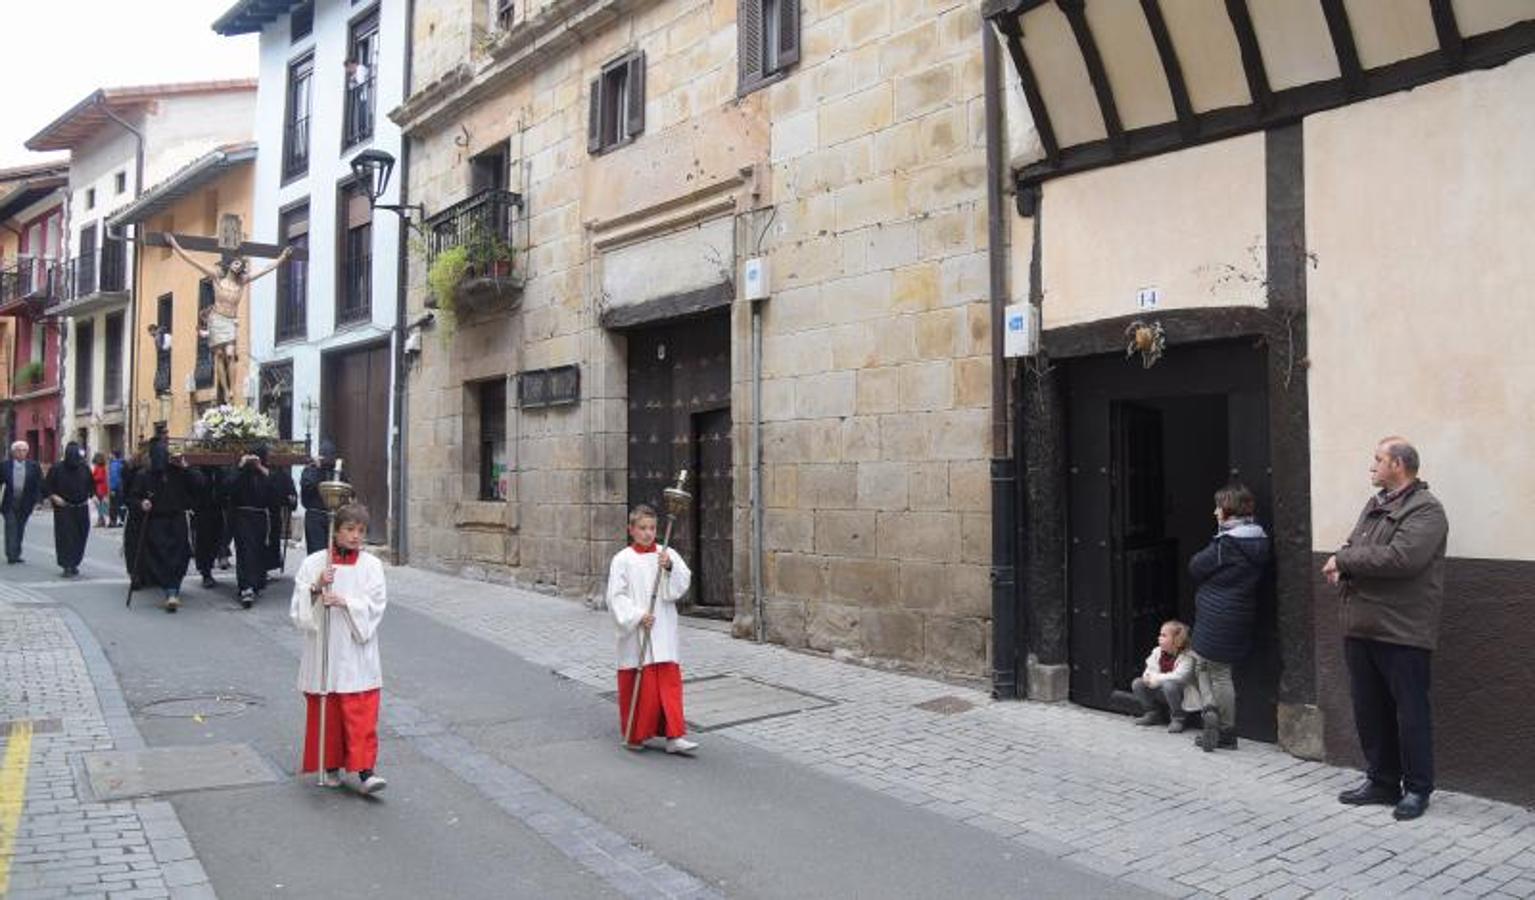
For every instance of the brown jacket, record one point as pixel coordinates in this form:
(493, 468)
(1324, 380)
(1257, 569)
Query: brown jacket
(1392, 570)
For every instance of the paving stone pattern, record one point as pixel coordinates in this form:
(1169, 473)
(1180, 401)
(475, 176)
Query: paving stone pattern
(67, 844)
(1135, 803)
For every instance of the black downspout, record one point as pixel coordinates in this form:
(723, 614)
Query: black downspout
(1004, 481)
(397, 503)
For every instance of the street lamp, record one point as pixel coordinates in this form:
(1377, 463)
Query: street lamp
(372, 168)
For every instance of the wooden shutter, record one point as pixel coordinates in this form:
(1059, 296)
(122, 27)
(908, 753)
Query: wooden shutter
(788, 33)
(594, 119)
(358, 211)
(636, 88)
(749, 43)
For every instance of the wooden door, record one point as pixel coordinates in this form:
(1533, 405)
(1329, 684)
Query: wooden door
(679, 392)
(355, 414)
(1144, 558)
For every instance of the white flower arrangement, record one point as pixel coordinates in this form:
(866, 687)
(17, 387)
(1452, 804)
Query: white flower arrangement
(227, 423)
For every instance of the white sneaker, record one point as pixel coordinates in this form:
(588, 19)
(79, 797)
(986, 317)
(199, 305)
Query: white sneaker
(372, 784)
(680, 745)
(332, 779)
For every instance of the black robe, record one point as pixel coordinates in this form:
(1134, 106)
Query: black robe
(70, 481)
(248, 498)
(210, 536)
(133, 519)
(316, 516)
(167, 545)
(284, 499)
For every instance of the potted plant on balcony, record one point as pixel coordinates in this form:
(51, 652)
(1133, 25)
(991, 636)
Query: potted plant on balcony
(447, 272)
(30, 374)
(492, 258)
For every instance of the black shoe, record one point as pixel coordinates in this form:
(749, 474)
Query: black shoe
(1373, 794)
(1412, 805)
(247, 598)
(208, 582)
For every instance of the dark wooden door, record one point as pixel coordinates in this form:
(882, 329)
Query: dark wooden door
(1144, 559)
(679, 391)
(714, 500)
(355, 414)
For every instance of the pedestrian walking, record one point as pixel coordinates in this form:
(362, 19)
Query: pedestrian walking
(70, 489)
(1226, 575)
(339, 593)
(1390, 578)
(316, 516)
(133, 521)
(208, 535)
(164, 494)
(22, 482)
(248, 499)
(1166, 688)
(631, 577)
(99, 482)
(117, 495)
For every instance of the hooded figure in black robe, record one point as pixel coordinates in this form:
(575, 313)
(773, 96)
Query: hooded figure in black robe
(133, 520)
(248, 495)
(316, 516)
(210, 537)
(284, 502)
(70, 488)
(164, 493)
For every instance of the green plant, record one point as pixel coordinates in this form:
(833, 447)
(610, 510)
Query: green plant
(30, 373)
(492, 256)
(447, 272)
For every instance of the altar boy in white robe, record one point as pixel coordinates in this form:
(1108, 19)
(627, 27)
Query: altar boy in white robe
(346, 584)
(630, 579)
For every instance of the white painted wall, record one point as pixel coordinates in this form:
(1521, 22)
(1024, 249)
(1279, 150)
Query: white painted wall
(187, 127)
(328, 168)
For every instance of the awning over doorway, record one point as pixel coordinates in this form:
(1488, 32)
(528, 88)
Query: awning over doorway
(1112, 80)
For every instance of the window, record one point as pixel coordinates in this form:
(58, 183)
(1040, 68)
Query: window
(275, 397)
(301, 21)
(767, 41)
(90, 198)
(295, 143)
(616, 108)
(488, 171)
(164, 307)
(293, 276)
(85, 264)
(85, 348)
(112, 377)
(505, 13)
(361, 77)
(493, 469)
(202, 372)
(120, 182)
(354, 255)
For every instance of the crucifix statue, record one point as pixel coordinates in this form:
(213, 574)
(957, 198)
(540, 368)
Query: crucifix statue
(220, 323)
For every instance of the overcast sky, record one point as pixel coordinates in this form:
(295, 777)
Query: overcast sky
(58, 51)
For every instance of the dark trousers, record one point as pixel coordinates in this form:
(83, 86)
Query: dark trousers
(115, 508)
(1389, 684)
(15, 529)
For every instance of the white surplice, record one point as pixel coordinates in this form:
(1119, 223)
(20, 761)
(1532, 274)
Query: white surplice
(353, 664)
(630, 578)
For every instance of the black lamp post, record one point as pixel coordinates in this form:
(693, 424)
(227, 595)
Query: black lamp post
(372, 169)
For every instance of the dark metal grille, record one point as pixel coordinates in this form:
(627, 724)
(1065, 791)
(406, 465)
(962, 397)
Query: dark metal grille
(84, 349)
(112, 378)
(114, 268)
(481, 222)
(354, 300)
(295, 146)
(360, 97)
(28, 278)
(293, 294)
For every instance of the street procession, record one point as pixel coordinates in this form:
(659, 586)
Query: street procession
(767, 448)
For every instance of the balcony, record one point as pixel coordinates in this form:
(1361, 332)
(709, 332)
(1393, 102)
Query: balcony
(357, 123)
(27, 279)
(93, 282)
(470, 254)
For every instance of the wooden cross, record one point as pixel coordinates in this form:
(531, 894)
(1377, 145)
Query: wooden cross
(228, 245)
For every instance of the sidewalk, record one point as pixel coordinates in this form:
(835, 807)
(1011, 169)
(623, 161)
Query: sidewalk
(59, 699)
(1138, 804)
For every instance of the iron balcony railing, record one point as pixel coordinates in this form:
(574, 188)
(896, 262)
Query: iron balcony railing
(295, 149)
(28, 278)
(354, 301)
(102, 272)
(358, 124)
(481, 223)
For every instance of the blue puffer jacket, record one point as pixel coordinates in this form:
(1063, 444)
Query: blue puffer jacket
(1226, 577)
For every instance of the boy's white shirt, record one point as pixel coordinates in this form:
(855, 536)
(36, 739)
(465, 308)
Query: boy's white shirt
(1183, 671)
(353, 664)
(629, 581)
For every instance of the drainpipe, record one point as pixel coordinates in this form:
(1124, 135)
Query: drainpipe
(756, 473)
(1004, 479)
(131, 321)
(397, 503)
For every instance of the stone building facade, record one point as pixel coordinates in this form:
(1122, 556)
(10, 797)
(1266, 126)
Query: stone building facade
(647, 149)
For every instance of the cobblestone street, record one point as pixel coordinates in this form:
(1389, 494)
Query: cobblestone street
(1137, 804)
(61, 696)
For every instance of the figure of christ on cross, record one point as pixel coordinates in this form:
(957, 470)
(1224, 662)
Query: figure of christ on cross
(220, 323)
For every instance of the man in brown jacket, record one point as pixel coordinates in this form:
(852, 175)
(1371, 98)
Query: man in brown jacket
(1390, 578)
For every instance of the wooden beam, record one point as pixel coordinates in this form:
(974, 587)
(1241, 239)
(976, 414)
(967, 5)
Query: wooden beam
(200, 244)
(1451, 44)
(1343, 46)
(1252, 55)
(1012, 29)
(1097, 75)
(1173, 69)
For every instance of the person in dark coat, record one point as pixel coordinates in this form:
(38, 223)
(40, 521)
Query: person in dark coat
(248, 498)
(316, 516)
(133, 521)
(70, 488)
(284, 502)
(209, 537)
(1226, 576)
(164, 494)
(21, 480)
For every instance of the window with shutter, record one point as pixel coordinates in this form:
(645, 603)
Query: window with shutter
(767, 41)
(616, 106)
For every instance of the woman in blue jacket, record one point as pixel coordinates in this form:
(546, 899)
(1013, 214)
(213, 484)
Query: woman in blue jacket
(1226, 576)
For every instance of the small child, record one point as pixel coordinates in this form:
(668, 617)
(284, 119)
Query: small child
(630, 579)
(347, 585)
(1226, 576)
(1166, 689)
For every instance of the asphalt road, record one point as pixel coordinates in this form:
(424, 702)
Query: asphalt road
(474, 740)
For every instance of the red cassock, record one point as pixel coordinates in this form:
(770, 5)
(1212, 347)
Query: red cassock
(351, 731)
(659, 712)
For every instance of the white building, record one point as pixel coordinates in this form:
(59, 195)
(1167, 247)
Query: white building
(324, 332)
(119, 140)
